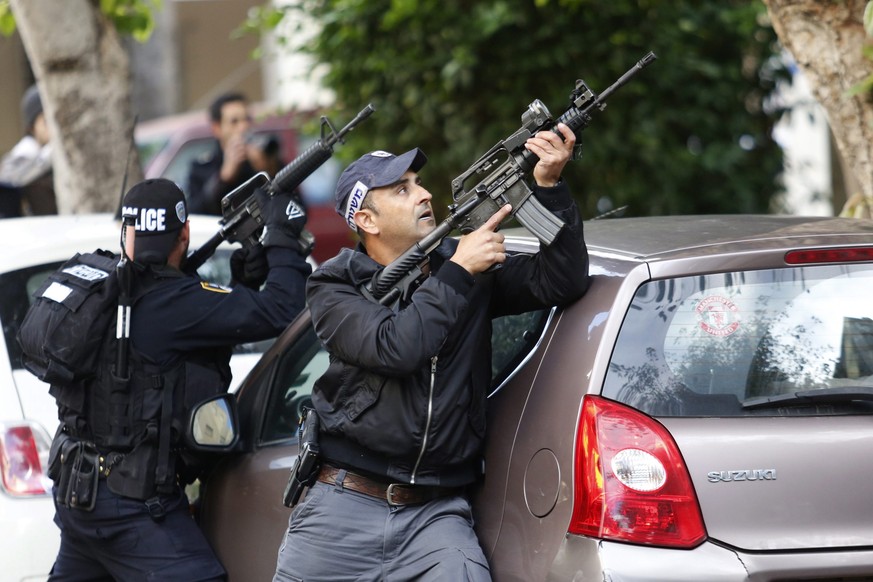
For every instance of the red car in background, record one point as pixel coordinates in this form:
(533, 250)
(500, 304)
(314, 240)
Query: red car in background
(168, 145)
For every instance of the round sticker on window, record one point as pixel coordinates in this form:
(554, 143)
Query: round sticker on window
(718, 315)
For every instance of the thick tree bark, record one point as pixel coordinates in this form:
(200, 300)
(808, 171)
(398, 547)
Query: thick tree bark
(84, 79)
(826, 39)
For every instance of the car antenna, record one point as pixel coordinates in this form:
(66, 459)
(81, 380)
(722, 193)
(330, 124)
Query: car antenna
(126, 167)
(122, 324)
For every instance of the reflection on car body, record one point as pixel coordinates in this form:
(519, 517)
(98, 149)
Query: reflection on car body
(685, 418)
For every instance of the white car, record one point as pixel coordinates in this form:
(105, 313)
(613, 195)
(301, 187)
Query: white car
(34, 247)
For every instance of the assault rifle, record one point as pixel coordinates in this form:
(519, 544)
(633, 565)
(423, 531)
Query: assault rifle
(241, 218)
(499, 178)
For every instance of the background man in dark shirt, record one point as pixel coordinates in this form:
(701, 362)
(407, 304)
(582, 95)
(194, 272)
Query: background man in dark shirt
(237, 156)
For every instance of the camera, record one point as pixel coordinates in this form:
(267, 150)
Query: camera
(266, 142)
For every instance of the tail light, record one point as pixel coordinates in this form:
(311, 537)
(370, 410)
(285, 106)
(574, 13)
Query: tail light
(24, 451)
(631, 482)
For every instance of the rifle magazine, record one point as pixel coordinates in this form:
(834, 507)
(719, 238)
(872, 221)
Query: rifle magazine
(539, 221)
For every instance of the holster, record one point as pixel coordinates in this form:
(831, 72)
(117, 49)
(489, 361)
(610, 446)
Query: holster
(74, 468)
(305, 469)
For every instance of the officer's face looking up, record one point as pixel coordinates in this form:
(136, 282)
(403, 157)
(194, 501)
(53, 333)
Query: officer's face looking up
(398, 215)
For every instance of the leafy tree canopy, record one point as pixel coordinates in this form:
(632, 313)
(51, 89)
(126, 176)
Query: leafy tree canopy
(689, 134)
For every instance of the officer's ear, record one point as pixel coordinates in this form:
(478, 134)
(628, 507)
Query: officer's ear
(366, 221)
(180, 249)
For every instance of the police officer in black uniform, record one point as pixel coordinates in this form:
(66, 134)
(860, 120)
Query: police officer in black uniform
(136, 523)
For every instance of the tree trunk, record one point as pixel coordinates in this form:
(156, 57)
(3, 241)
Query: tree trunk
(84, 80)
(826, 39)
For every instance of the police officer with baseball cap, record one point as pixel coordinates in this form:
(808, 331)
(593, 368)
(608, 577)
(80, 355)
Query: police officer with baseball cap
(182, 330)
(401, 408)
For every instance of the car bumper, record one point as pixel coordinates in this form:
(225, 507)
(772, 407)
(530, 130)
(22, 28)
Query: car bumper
(581, 558)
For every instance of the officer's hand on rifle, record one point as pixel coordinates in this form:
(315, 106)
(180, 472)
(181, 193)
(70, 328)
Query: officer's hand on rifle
(553, 154)
(248, 266)
(284, 219)
(483, 248)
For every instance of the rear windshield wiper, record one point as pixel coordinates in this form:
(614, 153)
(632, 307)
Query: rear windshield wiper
(819, 396)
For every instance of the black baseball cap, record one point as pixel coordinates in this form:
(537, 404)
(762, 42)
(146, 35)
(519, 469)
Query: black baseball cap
(158, 210)
(373, 170)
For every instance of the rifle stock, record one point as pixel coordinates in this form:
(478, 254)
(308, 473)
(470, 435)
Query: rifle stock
(499, 178)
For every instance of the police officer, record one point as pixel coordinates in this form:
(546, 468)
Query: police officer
(401, 408)
(135, 523)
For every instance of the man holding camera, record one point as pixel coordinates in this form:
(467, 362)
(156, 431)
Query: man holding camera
(401, 409)
(238, 155)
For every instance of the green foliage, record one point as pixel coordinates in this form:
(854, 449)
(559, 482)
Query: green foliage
(866, 85)
(7, 20)
(132, 17)
(689, 134)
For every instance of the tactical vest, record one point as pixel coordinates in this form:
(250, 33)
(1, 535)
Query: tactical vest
(137, 422)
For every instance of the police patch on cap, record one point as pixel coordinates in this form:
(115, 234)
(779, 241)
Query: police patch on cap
(157, 206)
(158, 212)
(356, 198)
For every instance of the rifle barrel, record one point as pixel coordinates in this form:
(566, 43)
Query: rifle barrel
(641, 64)
(292, 175)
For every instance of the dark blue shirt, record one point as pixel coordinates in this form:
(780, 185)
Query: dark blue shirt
(179, 315)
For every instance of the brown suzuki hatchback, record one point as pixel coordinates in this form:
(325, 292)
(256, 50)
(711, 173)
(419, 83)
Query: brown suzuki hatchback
(704, 413)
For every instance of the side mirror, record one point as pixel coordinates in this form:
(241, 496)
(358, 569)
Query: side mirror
(213, 426)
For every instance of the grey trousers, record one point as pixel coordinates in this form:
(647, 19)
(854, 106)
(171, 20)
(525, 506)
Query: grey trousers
(336, 534)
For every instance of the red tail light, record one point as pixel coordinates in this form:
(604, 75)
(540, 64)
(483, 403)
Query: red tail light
(23, 453)
(631, 482)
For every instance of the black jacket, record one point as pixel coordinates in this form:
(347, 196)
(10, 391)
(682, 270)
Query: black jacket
(205, 189)
(404, 395)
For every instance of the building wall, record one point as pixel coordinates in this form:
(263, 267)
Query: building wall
(190, 59)
(211, 62)
(16, 79)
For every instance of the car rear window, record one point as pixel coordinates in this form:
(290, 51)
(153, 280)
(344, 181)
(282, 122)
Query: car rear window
(16, 288)
(794, 341)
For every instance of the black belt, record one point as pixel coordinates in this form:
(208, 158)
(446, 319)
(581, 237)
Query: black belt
(393, 493)
(107, 461)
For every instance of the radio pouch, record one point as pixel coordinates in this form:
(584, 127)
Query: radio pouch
(74, 467)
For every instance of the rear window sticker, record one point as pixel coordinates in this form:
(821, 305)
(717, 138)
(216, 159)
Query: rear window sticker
(718, 316)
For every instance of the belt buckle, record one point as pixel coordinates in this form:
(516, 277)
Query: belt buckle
(389, 495)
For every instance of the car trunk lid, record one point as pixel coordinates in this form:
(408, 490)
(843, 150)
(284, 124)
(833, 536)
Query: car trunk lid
(781, 483)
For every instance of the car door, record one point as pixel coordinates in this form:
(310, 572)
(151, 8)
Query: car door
(241, 508)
